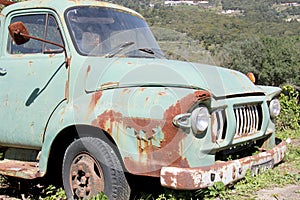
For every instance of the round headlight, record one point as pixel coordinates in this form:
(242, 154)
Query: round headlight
(200, 120)
(274, 108)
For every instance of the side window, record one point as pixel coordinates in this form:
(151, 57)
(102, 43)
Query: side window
(40, 25)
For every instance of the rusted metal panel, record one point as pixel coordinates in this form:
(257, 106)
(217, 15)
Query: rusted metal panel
(157, 141)
(6, 3)
(26, 170)
(226, 172)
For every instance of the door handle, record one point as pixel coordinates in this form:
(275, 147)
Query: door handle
(2, 71)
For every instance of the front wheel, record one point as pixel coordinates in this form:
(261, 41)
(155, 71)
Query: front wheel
(91, 166)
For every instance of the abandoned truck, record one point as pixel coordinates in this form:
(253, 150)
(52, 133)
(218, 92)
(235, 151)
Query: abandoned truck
(87, 95)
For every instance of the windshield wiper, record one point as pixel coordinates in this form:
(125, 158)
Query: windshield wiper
(146, 50)
(119, 49)
(152, 52)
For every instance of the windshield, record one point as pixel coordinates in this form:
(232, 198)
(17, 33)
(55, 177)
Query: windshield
(98, 31)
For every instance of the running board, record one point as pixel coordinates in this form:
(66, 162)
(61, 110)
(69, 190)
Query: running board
(20, 169)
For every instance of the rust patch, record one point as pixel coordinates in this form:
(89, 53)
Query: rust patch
(19, 33)
(109, 84)
(226, 172)
(162, 93)
(5, 2)
(27, 170)
(142, 89)
(152, 158)
(51, 55)
(125, 91)
(94, 100)
(202, 95)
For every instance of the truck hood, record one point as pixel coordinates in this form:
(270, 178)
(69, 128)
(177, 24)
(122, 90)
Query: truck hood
(104, 73)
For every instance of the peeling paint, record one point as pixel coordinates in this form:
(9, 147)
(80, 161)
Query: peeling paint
(94, 100)
(27, 170)
(158, 140)
(5, 2)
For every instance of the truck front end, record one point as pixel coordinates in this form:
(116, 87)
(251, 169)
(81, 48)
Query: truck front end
(189, 124)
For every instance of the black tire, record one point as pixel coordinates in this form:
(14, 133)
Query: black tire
(91, 166)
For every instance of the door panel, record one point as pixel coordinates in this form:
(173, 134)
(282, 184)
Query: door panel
(33, 83)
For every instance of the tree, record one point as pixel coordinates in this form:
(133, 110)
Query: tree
(274, 61)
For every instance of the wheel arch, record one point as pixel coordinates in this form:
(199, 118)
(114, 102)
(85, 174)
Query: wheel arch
(65, 137)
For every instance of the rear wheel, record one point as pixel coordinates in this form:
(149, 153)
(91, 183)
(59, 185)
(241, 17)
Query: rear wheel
(91, 166)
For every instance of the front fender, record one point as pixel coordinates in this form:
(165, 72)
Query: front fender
(138, 119)
(61, 118)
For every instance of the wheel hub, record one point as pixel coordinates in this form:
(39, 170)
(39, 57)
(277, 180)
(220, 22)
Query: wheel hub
(86, 176)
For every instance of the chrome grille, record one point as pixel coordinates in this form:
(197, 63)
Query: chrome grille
(248, 120)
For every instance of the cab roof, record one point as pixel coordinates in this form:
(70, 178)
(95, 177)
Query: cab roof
(61, 5)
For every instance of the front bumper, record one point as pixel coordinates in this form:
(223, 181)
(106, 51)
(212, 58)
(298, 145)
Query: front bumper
(226, 172)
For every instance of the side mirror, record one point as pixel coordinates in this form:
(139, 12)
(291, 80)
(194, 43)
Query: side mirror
(19, 33)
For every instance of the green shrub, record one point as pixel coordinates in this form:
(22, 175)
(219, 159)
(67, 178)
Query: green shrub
(289, 117)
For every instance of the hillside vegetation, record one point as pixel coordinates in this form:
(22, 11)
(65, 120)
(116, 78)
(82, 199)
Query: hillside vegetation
(259, 36)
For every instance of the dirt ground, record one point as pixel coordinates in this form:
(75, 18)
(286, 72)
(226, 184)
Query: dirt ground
(289, 192)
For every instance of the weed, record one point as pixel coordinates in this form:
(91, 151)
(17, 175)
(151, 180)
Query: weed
(100, 196)
(52, 193)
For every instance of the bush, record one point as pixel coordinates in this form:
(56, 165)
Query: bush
(289, 117)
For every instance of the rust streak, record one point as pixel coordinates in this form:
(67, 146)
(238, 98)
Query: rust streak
(88, 71)
(67, 89)
(94, 100)
(6, 101)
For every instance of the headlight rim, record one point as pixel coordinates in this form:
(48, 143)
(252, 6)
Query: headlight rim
(274, 111)
(195, 120)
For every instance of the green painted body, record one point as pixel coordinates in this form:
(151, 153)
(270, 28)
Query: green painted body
(133, 101)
